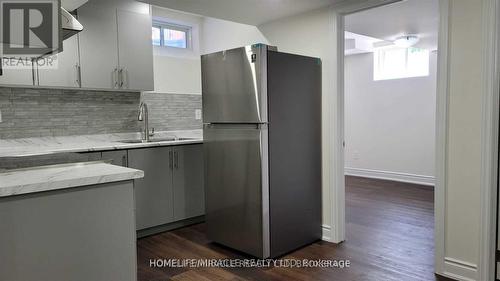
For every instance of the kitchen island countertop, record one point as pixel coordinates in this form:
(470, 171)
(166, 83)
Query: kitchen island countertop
(55, 177)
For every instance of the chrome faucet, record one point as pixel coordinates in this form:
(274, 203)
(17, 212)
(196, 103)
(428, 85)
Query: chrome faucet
(144, 116)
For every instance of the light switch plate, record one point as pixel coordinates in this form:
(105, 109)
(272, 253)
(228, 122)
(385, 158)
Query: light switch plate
(197, 114)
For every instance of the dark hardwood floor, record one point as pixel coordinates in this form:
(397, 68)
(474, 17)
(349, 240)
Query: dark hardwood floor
(390, 236)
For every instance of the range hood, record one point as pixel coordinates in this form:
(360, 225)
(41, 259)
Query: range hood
(70, 25)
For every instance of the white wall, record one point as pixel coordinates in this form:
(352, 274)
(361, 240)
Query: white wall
(219, 35)
(179, 70)
(177, 75)
(316, 39)
(389, 124)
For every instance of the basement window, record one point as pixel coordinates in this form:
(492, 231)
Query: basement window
(397, 63)
(171, 35)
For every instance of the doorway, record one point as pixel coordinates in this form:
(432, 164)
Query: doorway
(389, 128)
(390, 68)
(489, 141)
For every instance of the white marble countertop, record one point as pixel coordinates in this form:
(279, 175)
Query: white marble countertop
(88, 143)
(46, 178)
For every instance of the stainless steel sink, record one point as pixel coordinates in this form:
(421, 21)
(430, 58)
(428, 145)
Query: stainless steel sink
(171, 139)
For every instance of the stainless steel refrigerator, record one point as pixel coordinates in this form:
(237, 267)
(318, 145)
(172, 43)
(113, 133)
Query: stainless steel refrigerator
(262, 143)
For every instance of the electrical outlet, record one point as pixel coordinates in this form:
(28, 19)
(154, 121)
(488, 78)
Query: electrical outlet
(197, 114)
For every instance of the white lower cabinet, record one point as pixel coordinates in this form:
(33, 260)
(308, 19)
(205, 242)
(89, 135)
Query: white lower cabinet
(189, 194)
(154, 192)
(172, 188)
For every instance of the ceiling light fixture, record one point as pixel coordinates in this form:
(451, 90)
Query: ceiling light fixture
(406, 41)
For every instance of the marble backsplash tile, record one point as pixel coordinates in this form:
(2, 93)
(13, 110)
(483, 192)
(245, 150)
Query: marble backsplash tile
(55, 112)
(169, 112)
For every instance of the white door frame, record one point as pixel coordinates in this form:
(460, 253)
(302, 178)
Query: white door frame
(336, 154)
(489, 135)
(489, 138)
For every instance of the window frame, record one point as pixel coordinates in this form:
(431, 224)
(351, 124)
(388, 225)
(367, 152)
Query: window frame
(173, 26)
(377, 64)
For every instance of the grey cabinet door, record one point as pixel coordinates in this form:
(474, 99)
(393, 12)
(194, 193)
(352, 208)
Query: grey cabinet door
(67, 73)
(117, 157)
(77, 230)
(135, 51)
(115, 46)
(189, 192)
(98, 45)
(22, 77)
(153, 193)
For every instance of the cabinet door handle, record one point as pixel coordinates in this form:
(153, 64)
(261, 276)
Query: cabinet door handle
(37, 75)
(124, 161)
(115, 77)
(78, 75)
(170, 160)
(125, 78)
(120, 72)
(33, 71)
(176, 160)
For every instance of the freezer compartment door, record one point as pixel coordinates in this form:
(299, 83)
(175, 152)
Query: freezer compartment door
(235, 185)
(234, 86)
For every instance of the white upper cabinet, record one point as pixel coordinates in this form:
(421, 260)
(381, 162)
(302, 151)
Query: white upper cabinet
(67, 72)
(135, 51)
(115, 45)
(12, 75)
(98, 46)
(17, 77)
(114, 51)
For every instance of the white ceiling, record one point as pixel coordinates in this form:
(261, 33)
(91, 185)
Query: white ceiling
(419, 17)
(253, 12)
(359, 44)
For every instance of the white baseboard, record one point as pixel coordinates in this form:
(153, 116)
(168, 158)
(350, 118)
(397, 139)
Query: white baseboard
(393, 176)
(459, 270)
(327, 233)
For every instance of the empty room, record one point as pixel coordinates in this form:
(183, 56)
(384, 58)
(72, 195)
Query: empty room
(390, 105)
